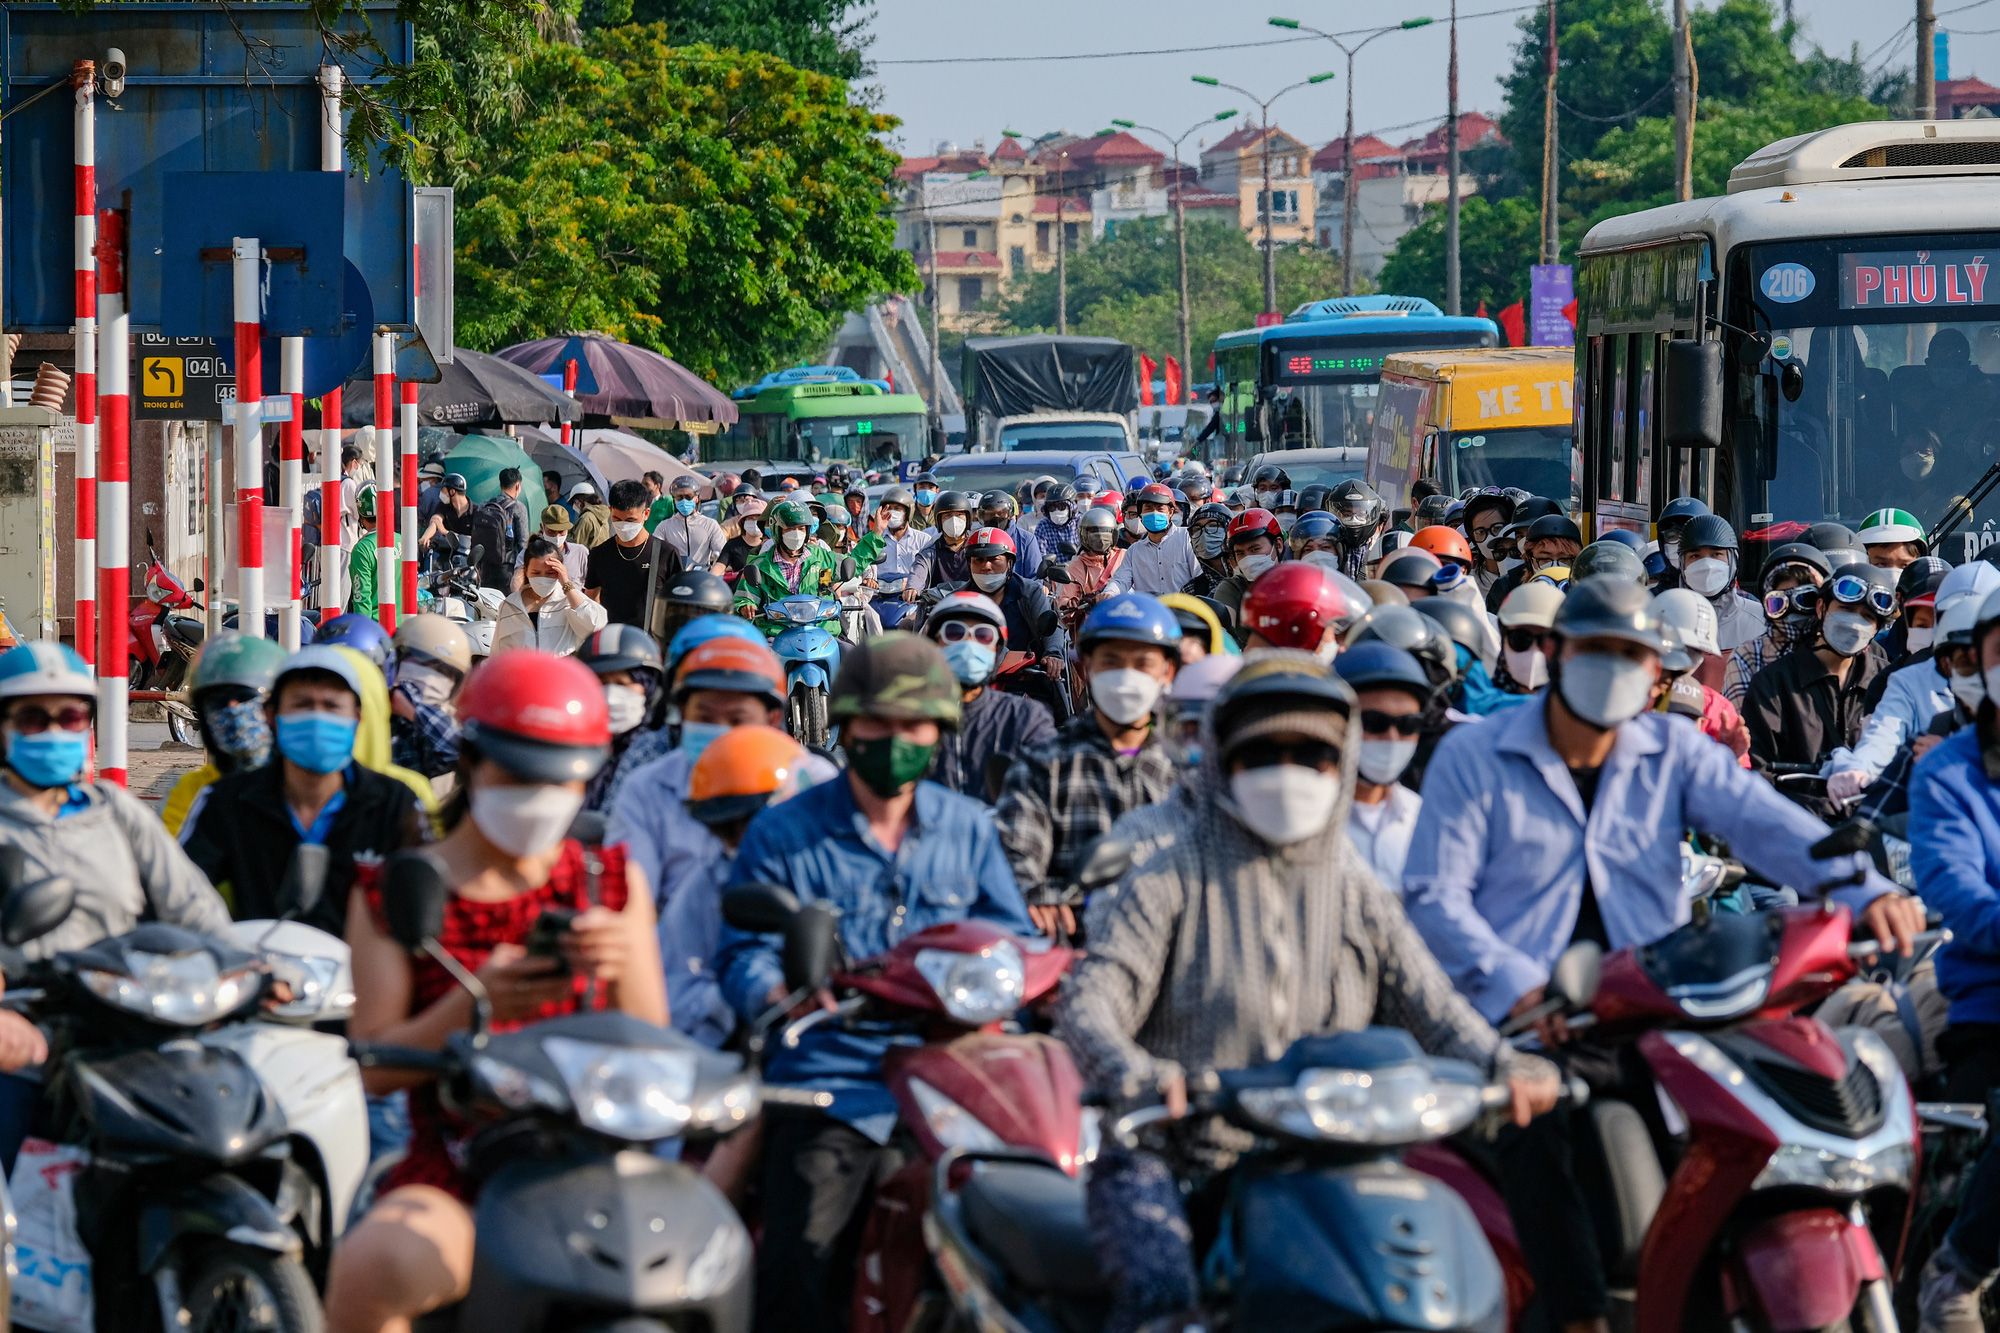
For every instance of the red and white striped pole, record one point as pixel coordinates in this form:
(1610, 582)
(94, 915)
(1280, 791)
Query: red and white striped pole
(84, 76)
(332, 530)
(291, 480)
(114, 497)
(408, 494)
(249, 273)
(569, 389)
(385, 479)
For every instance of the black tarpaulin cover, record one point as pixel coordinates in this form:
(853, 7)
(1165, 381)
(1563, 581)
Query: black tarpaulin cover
(1043, 373)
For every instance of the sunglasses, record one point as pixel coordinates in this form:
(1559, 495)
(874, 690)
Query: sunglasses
(32, 719)
(1855, 590)
(1781, 600)
(1374, 722)
(1269, 754)
(1523, 640)
(952, 631)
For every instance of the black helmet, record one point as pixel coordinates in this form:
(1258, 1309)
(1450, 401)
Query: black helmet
(1197, 489)
(1488, 500)
(1313, 497)
(698, 588)
(620, 648)
(996, 502)
(1357, 508)
(1425, 639)
(1608, 557)
(1794, 553)
(897, 495)
(952, 502)
(1678, 512)
(1466, 627)
(1610, 606)
(1411, 567)
(1920, 577)
(1833, 537)
(1432, 510)
(1708, 530)
(1213, 512)
(1553, 527)
(1313, 525)
(1271, 475)
(1534, 507)
(1062, 493)
(1284, 500)
(1880, 581)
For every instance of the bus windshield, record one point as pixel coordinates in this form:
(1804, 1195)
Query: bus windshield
(849, 439)
(1105, 436)
(1537, 459)
(1320, 389)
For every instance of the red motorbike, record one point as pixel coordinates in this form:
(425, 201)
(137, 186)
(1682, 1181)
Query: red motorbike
(975, 1083)
(1790, 1148)
(160, 646)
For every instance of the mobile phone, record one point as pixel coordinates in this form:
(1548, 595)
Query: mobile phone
(545, 939)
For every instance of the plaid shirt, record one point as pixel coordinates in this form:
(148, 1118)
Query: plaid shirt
(1747, 661)
(1065, 791)
(1050, 536)
(426, 744)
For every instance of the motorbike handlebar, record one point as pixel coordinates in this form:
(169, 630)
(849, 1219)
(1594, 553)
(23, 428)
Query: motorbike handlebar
(411, 1059)
(811, 1098)
(1920, 942)
(1954, 1115)
(798, 1027)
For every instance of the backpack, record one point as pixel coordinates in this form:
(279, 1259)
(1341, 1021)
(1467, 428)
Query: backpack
(492, 526)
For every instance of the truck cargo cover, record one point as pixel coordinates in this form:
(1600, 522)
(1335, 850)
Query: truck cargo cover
(1042, 373)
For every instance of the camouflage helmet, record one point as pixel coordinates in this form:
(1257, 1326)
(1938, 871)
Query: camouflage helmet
(899, 676)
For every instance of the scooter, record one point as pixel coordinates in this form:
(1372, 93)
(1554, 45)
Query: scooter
(457, 596)
(580, 1225)
(160, 646)
(808, 638)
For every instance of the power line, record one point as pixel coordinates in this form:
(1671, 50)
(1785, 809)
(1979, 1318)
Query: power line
(1622, 115)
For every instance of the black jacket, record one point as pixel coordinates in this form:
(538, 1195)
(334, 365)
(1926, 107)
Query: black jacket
(1797, 712)
(241, 835)
(944, 565)
(993, 729)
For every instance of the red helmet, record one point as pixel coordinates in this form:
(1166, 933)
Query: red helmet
(1159, 493)
(990, 542)
(1294, 604)
(538, 716)
(1254, 523)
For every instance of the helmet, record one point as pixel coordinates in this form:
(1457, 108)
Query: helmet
(361, 633)
(1486, 500)
(1133, 485)
(1273, 677)
(455, 481)
(996, 502)
(1196, 489)
(1608, 557)
(1795, 553)
(1466, 627)
(1975, 577)
(1920, 580)
(952, 502)
(791, 514)
(700, 590)
(967, 605)
(1160, 471)
(1418, 635)
(1534, 507)
(1876, 589)
(1432, 510)
(1313, 497)
(1410, 568)
(1708, 530)
(1832, 537)
(1384, 594)
(1891, 525)
(1609, 606)
(895, 495)
(1097, 518)
(1284, 500)
(1678, 512)
(1533, 606)
(1688, 614)
(992, 541)
(703, 629)
(1376, 665)
(364, 500)
(732, 665)
(231, 658)
(1357, 507)
(319, 657)
(1211, 512)
(1134, 617)
(537, 716)
(898, 676)
(1552, 527)
(1444, 543)
(1198, 620)
(620, 648)
(1554, 575)
(738, 773)
(44, 668)
(1314, 525)
(434, 639)
(1157, 494)
(1253, 523)
(1271, 475)
(1956, 620)
(1294, 604)
(1062, 493)
(1624, 537)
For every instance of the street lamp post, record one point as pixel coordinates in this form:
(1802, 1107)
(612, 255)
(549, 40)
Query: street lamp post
(1347, 181)
(1264, 108)
(1180, 232)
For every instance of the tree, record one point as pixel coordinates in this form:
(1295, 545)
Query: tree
(1498, 240)
(724, 208)
(824, 36)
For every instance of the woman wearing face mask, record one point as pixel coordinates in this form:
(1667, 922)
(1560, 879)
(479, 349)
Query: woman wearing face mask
(228, 685)
(550, 610)
(535, 732)
(1208, 530)
(433, 657)
(945, 560)
(1093, 570)
(993, 726)
(1524, 618)
(795, 563)
(1686, 616)
(1058, 527)
(1390, 690)
(626, 662)
(748, 518)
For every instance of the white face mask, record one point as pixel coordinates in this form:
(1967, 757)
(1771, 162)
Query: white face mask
(1847, 632)
(893, 518)
(952, 527)
(1124, 695)
(627, 707)
(1383, 762)
(631, 532)
(432, 686)
(1921, 637)
(1252, 567)
(1284, 803)
(1707, 576)
(1059, 516)
(1509, 565)
(1970, 691)
(522, 821)
(792, 538)
(543, 587)
(1134, 526)
(1530, 669)
(990, 582)
(1992, 680)
(752, 531)
(1604, 689)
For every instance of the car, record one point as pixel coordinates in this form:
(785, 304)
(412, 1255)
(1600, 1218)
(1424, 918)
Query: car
(1006, 471)
(1314, 467)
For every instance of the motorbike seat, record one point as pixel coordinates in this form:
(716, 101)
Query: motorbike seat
(1030, 1221)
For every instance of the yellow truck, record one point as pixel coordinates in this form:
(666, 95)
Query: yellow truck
(1478, 417)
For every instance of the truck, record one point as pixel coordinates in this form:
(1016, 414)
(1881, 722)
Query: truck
(1498, 416)
(1048, 393)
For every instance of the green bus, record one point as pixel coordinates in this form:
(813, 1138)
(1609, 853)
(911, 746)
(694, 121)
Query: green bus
(813, 415)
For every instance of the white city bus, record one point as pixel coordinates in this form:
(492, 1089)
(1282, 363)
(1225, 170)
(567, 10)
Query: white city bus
(1820, 342)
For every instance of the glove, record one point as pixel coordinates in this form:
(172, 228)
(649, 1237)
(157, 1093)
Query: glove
(1845, 786)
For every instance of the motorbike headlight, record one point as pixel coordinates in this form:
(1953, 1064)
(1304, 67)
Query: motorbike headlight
(1089, 1135)
(1399, 1104)
(1816, 1168)
(1726, 998)
(516, 1088)
(976, 988)
(639, 1095)
(186, 989)
(317, 989)
(954, 1126)
(730, 1107)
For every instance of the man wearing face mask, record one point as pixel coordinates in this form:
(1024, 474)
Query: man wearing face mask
(946, 559)
(1708, 567)
(242, 830)
(1562, 820)
(796, 563)
(1362, 516)
(1809, 702)
(695, 537)
(1486, 516)
(1059, 518)
(228, 685)
(1390, 691)
(361, 562)
(1063, 793)
(1893, 538)
(1525, 618)
(1032, 624)
(996, 510)
(1668, 528)
(994, 726)
(620, 571)
(1903, 702)
(1791, 577)
(1208, 533)
(924, 488)
(1255, 547)
(549, 611)
(893, 855)
(1093, 572)
(433, 658)
(899, 573)
(1164, 561)
(626, 662)
(1909, 639)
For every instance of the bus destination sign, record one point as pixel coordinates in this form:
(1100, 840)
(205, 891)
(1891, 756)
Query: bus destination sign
(1304, 366)
(1892, 279)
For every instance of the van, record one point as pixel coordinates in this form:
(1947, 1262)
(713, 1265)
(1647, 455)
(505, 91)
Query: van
(1475, 418)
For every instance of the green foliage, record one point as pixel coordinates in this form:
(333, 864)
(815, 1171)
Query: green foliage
(1498, 240)
(724, 208)
(824, 36)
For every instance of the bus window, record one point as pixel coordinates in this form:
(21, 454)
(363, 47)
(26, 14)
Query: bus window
(1611, 479)
(1639, 419)
(1535, 458)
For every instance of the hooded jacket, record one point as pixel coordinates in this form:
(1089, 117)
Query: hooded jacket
(1955, 854)
(1739, 618)
(994, 726)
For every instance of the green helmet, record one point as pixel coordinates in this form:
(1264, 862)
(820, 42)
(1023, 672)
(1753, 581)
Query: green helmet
(364, 501)
(791, 514)
(1891, 525)
(237, 659)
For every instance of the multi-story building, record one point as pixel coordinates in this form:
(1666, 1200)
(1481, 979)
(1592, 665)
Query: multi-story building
(1393, 185)
(1235, 165)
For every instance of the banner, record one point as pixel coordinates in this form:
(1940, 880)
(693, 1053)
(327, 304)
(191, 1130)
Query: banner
(1513, 325)
(1176, 389)
(1551, 288)
(1146, 370)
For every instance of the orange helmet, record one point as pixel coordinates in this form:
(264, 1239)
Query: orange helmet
(738, 772)
(735, 665)
(1444, 543)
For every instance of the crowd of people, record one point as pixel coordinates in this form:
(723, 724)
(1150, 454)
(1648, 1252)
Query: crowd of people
(1373, 768)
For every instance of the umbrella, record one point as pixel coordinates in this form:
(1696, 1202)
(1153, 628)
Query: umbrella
(631, 385)
(476, 388)
(626, 457)
(479, 459)
(568, 463)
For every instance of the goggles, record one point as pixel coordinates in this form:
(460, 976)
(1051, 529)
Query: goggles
(1779, 601)
(1270, 753)
(1854, 590)
(952, 631)
(1374, 722)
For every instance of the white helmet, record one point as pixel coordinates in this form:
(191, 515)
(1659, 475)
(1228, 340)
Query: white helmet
(1691, 617)
(1974, 576)
(1957, 615)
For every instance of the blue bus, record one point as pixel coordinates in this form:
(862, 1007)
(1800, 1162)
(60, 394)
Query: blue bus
(1311, 381)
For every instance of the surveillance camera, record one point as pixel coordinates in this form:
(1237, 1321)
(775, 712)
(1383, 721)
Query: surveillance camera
(112, 72)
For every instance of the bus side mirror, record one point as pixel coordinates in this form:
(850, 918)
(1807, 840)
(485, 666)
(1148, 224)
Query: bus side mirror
(1691, 406)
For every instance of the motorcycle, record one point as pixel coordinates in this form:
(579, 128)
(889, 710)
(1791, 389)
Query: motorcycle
(160, 646)
(453, 591)
(971, 1086)
(579, 1224)
(809, 630)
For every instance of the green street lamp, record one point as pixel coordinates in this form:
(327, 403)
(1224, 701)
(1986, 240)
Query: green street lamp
(1264, 107)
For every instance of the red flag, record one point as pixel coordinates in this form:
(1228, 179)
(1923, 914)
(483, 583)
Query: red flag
(1146, 369)
(1175, 390)
(1569, 313)
(1515, 324)
(1481, 312)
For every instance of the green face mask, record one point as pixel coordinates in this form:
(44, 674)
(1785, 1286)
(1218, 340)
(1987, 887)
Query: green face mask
(889, 763)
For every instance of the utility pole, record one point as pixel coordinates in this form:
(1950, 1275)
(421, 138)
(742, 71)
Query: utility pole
(1264, 108)
(1551, 231)
(930, 222)
(1683, 106)
(1062, 249)
(1452, 304)
(1925, 93)
(1180, 233)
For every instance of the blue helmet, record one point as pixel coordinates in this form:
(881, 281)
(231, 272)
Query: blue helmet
(1680, 510)
(703, 628)
(1376, 665)
(361, 633)
(1138, 484)
(45, 668)
(1625, 537)
(1134, 616)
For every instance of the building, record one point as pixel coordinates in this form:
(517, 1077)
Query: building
(1235, 165)
(1967, 99)
(1393, 184)
(1128, 179)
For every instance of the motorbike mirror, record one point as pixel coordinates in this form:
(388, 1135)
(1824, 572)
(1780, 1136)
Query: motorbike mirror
(477, 551)
(1574, 978)
(845, 570)
(812, 946)
(1854, 836)
(199, 586)
(34, 910)
(413, 899)
(1055, 573)
(305, 881)
(1046, 623)
(1067, 550)
(764, 909)
(1105, 861)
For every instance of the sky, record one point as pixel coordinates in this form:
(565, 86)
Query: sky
(1399, 80)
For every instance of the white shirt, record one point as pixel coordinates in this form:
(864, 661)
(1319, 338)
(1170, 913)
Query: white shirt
(557, 627)
(576, 559)
(1381, 833)
(696, 537)
(1160, 567)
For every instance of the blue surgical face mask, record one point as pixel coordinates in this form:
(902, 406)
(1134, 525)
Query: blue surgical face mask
(927, 498)
(697, 736)
(684, 507)
(1156, 522)
(971, 663)
(48, 758)
(317, 742)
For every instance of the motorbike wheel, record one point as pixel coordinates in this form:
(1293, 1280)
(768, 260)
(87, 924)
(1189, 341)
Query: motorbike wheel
(808, 717)
(236, 1289)
(183, 729)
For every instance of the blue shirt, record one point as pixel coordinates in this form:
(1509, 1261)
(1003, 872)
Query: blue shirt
(1955, 854)
(1499, 855)
(949, 867)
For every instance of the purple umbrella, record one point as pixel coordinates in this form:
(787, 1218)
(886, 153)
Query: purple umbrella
(626, 383)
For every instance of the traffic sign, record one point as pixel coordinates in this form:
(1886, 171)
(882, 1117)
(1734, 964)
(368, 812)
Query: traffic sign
(180, 379)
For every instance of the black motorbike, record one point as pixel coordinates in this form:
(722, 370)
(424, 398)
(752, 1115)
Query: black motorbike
(580, 1225)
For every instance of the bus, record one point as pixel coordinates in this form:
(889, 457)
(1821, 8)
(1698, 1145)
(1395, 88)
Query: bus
(1818, 343)
(1311, 382)
(809, 416)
